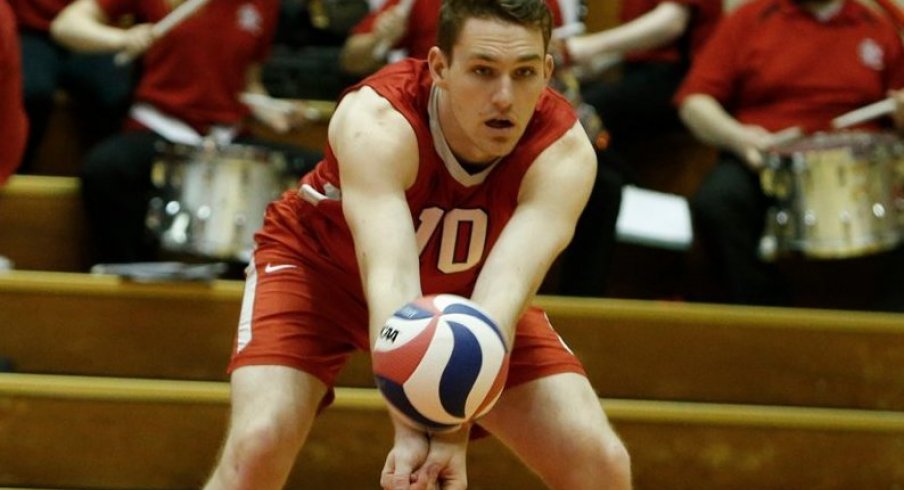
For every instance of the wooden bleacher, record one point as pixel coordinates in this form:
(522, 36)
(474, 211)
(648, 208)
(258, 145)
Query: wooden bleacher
(76, 432)
(59, 323)
(43, 225)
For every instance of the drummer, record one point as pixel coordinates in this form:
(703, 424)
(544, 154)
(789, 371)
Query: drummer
(775, 68)
(193, 72)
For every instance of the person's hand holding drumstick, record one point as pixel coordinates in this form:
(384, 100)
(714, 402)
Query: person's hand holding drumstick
(72, 30)
(709, 121)
(84, 27)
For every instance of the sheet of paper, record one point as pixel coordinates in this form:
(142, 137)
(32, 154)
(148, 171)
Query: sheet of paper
(654, 218)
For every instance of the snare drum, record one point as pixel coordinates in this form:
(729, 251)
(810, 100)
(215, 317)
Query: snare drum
(837, 195)
(209, 200)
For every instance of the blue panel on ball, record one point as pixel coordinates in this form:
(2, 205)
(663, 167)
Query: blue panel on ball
(468, 310)
(461, 371)
(412, 312)
(395, 394)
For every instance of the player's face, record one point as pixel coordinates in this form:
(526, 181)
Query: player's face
(491, 88)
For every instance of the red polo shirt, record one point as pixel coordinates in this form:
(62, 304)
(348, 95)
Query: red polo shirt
(196, 71)
(37, 14)
(775, 65)
(13, 123)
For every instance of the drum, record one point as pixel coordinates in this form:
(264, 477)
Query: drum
(210, 200)
(837, 195)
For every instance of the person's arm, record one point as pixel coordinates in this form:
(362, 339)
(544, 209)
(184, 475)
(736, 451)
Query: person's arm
(710, 123)
(281, 115)
(898, 114)
(378, 158)
(553, 194)
(656, 28)
(84, 26)
(360, 54)
(376, 165)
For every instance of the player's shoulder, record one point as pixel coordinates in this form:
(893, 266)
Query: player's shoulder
(365, 110)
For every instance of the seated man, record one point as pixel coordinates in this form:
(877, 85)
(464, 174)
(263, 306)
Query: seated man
(188, 94)
(102, 89)
(755, 78)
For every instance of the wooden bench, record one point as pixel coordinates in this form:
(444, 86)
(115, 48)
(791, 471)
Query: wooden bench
(77, 432)
(102, 325)
(43, 224)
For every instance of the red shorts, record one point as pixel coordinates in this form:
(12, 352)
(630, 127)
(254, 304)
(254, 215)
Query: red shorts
(311, 316)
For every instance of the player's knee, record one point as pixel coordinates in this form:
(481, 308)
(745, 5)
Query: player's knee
(614, 456)
(604, 459)
(262, 441)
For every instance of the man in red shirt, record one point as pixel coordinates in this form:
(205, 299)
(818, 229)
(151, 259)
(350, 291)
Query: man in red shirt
(13, 122)
(463, 173)
(770, 66)
(89, 79)
(654, 45)
(657, 40)
(190, 87)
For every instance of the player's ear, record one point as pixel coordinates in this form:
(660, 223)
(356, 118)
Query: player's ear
(548, 67)
(438, 64)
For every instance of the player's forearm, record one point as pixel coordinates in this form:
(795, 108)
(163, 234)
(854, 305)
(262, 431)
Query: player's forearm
(386, 252)
(510, 280)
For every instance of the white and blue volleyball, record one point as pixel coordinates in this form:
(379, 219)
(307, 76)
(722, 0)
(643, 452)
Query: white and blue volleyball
(440, 361)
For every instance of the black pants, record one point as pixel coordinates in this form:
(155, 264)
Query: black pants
(586, 263)
(639, 102)
(729, 215)
(116, 186)
(93, 80)
(632, 108)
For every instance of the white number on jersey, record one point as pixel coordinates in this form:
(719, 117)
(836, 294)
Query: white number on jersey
(462, 240)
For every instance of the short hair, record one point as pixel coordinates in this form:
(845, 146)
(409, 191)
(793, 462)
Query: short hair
(454, 13)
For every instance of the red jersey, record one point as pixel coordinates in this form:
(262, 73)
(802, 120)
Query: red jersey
(705, 16)
(423, 24)
(13, 123)
(772, 64)
(37, 14)
(458, 216)
(196, 71)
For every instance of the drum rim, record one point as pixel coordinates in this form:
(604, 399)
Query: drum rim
(830, 140)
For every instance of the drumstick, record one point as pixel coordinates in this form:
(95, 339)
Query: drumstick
(569, 30)
(180, 13)
(865, 113)
(383, 46)
(284, 106)
(786, 135)
(893, 11)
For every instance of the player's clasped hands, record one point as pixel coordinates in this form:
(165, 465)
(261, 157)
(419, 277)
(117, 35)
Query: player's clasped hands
(419, 461)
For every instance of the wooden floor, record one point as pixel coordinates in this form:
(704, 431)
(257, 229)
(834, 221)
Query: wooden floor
(79, 432)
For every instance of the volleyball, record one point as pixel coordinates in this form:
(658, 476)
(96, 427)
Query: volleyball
(440, 361)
